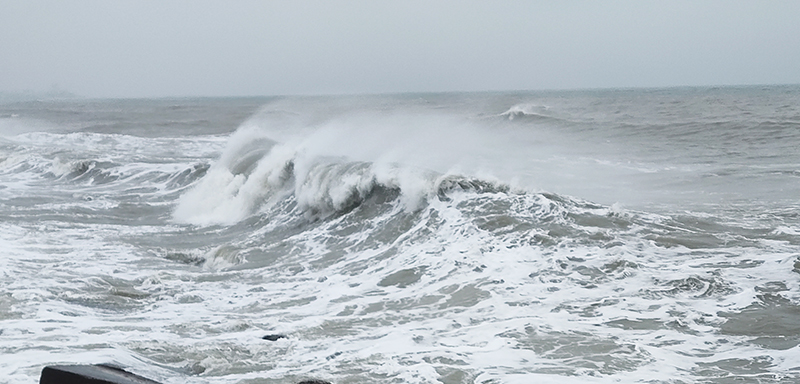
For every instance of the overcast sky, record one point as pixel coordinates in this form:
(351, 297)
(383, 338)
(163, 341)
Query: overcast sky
(239, 48)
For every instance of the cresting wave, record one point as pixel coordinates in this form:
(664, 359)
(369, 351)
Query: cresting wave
(255, 173)
(259, 180)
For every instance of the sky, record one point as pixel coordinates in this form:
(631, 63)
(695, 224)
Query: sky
(145, 48)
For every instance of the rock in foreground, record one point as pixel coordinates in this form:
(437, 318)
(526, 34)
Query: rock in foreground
(102, 374)
(90, 374)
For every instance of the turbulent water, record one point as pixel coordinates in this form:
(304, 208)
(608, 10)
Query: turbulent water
(569, 237)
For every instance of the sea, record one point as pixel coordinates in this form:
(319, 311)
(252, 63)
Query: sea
(580, 236)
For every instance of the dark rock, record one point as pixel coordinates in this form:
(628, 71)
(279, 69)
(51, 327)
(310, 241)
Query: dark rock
(90, 374)
(274, 337)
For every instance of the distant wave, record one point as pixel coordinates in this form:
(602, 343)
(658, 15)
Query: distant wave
(527, 110)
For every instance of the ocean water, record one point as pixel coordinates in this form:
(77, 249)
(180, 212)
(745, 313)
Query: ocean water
(602, 236)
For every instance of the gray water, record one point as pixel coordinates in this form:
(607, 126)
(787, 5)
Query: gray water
(648, 235)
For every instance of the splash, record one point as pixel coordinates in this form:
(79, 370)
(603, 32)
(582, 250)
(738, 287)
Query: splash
(334, 166)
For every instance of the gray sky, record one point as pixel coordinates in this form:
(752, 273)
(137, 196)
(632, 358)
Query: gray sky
(236, 48)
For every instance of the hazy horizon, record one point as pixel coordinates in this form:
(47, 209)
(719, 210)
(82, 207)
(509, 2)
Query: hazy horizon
(30, 95)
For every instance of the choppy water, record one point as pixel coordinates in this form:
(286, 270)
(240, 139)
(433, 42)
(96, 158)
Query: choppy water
(571, 237)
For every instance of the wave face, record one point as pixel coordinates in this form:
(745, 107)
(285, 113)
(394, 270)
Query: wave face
(593, 236)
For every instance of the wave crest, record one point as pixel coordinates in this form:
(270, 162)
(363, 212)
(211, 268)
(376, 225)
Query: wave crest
(527, 110)
(254, 173)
